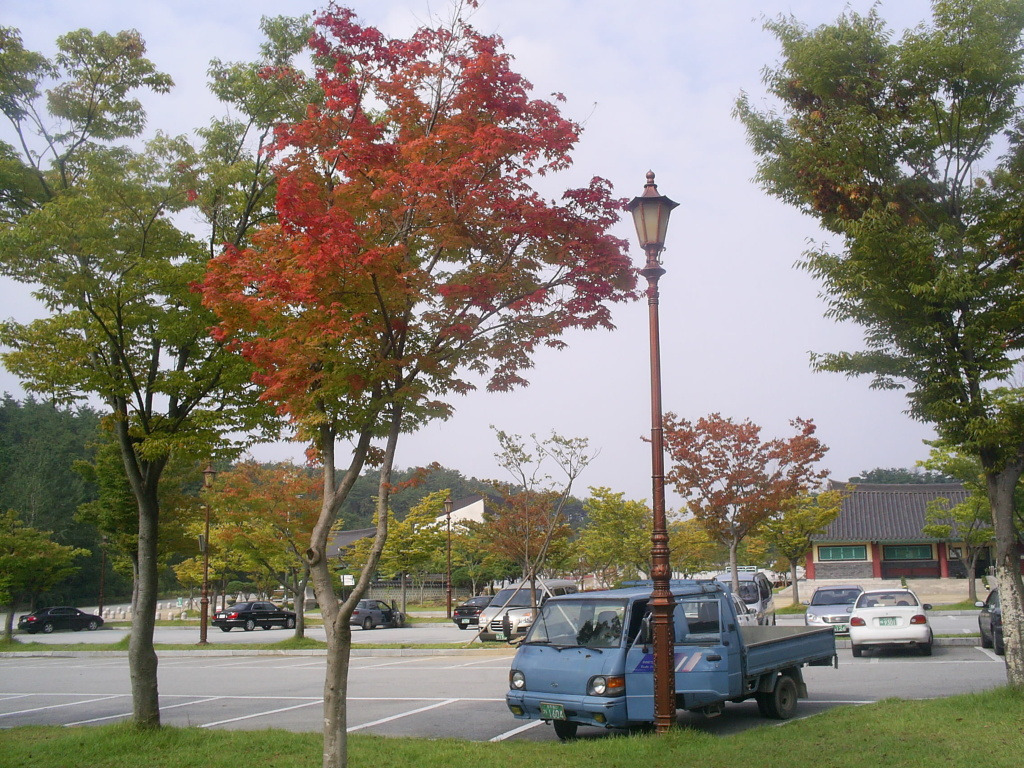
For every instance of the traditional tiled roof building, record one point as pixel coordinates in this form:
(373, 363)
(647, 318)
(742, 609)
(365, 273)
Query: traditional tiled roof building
(879, 534)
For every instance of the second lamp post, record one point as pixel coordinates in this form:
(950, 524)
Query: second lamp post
(650, 215)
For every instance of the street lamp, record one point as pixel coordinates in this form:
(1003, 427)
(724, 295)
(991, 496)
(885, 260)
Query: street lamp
(209, 475)
(448, 578)
(650, 215)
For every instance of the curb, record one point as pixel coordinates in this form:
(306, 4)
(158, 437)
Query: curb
(354, 653)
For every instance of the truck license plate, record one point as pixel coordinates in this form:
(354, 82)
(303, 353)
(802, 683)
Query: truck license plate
(552, 711)
(887, 621)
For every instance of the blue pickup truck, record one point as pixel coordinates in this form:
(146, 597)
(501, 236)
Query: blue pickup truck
(588, 659)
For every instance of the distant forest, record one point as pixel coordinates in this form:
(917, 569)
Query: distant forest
(40, 445)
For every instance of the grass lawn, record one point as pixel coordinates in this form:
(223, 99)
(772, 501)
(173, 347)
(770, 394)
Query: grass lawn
(976, 729)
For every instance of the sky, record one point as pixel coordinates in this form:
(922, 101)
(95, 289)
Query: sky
(654, 84)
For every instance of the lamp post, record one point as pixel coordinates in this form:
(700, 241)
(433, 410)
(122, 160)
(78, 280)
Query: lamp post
(448, 504)
(650, 215)
(209, 475)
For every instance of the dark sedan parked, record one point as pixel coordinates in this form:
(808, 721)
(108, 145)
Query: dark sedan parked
(47, 620)
(376, 613)
(467, 615)
(250, 615)
(990, 623)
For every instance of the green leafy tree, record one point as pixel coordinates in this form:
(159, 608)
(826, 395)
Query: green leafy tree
(102, 244)
(901, 475)
(30, 563)
(969, 522)
(891, 146)
(790, 532)
(615, 542)
(692, 549)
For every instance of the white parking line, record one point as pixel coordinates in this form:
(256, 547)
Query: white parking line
(59, 706)
(444, 703)
(261, 714)
(128, 714)
(515, 731)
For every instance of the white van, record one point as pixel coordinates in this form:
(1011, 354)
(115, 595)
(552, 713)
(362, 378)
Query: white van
(514, 603)
(756, 592)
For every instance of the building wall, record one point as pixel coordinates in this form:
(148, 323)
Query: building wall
(843, 569)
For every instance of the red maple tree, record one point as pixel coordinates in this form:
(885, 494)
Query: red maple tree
(411, 258)
(732, 480)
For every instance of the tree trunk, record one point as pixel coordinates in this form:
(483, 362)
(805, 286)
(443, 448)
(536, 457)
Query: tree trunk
(336, 614)
(1001, 486)
(972, 582)
(9, 622)
(142, 661)
(796, 584)
(734, 572)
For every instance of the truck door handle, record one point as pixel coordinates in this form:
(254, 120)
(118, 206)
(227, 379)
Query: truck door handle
(714, 657)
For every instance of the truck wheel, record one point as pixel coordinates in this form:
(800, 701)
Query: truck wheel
(781, 702)
(565, 730)
(290, 624)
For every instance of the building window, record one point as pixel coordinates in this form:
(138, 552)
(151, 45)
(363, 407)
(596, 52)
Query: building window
(859, 552)
(956, 553)
(907, 552)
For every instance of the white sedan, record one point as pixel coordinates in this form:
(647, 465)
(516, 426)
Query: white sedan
(890, 617)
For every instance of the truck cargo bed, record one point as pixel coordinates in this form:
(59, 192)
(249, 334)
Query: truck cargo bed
(769, 648)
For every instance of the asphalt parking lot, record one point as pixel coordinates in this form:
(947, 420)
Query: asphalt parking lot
(430, 694)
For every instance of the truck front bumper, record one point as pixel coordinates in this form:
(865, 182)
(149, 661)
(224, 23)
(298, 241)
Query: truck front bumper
(598, 711)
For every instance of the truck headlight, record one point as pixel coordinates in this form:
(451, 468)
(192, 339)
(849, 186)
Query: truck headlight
(606, 685)
(516, 680)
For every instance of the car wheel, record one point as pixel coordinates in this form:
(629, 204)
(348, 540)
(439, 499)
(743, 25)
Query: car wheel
(926, 649)
(986, 641)
(47, 628)
(856, 650)
(225, 629)
(565, 730)
(290, 624)
(93, 625)
(367, 623)
(250, 625)
(997, 644)
(781, 702)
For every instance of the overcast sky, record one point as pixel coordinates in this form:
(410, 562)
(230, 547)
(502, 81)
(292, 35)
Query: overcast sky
(654, 84)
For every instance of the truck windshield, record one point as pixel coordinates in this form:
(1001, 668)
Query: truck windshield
(587, 623)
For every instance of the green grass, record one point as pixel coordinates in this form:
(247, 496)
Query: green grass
(891, 734)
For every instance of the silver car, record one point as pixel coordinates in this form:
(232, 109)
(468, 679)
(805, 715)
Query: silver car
(831, 607)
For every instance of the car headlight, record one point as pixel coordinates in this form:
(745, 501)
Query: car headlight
(516, 680)
(813, 618)
(606, 685)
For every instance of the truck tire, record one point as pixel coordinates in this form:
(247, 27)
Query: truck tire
(780, 704)
(565, 730)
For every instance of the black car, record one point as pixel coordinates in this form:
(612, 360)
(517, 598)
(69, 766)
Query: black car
(467, 615)
(47, 620)
(254, 614)
(990, 623)
(376, 613)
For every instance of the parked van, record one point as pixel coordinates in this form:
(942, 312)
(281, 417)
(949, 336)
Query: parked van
(756, 591)
(510, 613)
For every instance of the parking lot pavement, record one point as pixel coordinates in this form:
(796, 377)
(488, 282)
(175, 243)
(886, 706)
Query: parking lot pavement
(456, 696)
